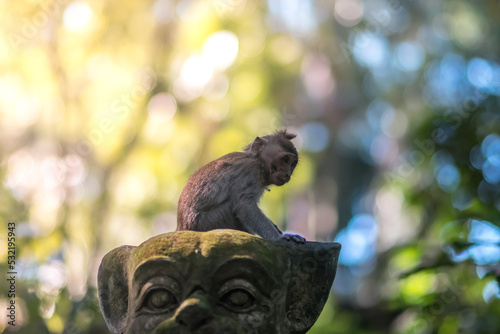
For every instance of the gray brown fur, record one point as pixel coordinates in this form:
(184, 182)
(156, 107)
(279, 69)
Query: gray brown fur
(225, 192)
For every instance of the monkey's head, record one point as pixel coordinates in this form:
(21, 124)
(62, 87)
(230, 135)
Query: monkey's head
(277, 155)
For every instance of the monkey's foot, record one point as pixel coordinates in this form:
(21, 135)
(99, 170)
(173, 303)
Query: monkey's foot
(294, 237)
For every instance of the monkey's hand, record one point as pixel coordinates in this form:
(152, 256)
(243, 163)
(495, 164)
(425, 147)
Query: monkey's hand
(293, 237)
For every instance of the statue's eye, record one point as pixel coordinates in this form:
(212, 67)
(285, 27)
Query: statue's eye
(159, 300)
(238, 299)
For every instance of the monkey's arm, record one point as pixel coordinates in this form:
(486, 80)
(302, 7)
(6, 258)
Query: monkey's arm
(255, 221)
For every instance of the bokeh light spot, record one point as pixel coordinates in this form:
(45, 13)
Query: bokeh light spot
(221, 49)
(410, 56)
(467, 28)
(370, 50)
(195, 74)
(490, 148)
(448, 177)
(417, 286)
(317, 76)
(162, 107)
(348, 12)
(479, 73)
(297, 15)
(491, 291)
(315, 137)
(491, 171)
(358, 240)
(483, 232)
(445, 171)
(485, 254)
(77, 15)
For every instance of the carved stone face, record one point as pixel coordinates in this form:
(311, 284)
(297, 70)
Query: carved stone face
(219, 282)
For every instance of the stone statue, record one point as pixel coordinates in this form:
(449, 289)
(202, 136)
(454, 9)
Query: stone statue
(215, 282)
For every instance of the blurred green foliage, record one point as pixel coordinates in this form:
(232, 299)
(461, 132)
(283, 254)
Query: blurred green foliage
(106, 108)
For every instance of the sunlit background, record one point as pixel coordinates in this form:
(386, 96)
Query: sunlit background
(107, 107)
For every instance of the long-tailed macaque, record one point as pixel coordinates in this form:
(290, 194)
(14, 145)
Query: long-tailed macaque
(224, 193)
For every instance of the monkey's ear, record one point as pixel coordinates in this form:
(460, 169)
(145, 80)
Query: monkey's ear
(290, 136)
(314, 265)
(257, 145)
(286, 134)
(112, 285)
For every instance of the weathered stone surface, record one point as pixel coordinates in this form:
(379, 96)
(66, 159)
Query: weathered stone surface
(220, 282)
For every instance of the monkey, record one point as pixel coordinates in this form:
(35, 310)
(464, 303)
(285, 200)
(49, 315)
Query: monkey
(224, 194)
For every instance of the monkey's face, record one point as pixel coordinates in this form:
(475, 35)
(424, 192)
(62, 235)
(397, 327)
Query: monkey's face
(281, 165)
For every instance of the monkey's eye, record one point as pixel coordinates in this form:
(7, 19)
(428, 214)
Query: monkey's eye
(159, 300)
(238, 299)
(286, 159)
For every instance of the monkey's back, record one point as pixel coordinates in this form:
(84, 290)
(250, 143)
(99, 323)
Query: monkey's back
(207, 201)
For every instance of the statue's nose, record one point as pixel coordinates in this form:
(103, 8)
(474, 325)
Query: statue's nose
(194, 312)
